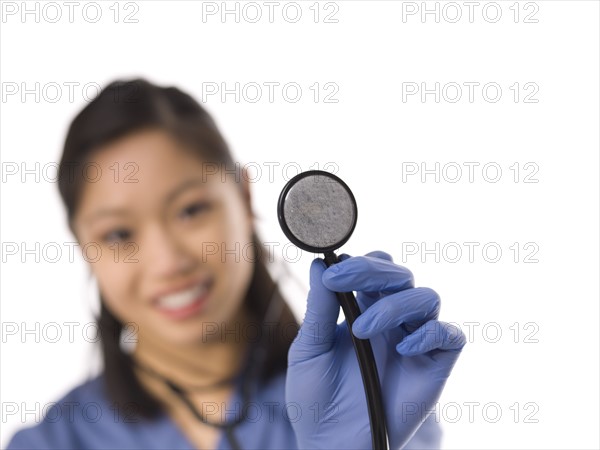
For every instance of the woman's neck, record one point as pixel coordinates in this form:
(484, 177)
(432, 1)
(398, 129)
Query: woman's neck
(195, 366)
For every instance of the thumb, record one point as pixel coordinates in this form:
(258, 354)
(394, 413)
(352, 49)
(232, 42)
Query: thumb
(318, 330)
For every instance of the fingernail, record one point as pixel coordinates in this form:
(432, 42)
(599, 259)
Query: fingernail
(357, 328)
(333, 269)
(357, 325)
(404, 346)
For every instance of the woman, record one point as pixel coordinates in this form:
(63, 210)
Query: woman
(219, 360)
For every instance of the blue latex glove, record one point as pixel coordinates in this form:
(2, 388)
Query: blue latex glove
(414, 352)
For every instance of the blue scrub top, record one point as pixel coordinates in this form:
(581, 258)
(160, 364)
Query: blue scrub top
(85, 418)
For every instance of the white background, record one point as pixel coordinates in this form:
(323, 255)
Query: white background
(369, 133)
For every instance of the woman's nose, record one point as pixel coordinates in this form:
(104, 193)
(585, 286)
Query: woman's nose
(165, 253)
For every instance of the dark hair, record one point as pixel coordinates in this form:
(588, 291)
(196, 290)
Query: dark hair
(121, 108)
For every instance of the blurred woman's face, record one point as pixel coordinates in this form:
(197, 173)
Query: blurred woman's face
(176, 255)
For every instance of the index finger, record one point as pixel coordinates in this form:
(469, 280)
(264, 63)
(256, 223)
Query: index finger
(368, 274)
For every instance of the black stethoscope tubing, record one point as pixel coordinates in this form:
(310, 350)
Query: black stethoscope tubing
(367, 364)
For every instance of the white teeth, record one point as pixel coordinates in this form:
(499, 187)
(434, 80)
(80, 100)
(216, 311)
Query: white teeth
(181, 299)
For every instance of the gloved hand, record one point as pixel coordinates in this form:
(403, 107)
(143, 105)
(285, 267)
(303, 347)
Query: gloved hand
(414, 352)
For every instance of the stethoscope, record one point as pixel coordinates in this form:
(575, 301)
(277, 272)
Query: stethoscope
(317, 212)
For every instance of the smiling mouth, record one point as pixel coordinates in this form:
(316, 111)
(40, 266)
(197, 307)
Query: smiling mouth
(186, 303)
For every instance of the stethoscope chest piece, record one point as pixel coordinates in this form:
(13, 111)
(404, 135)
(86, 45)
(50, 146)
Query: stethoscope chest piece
(317, 211)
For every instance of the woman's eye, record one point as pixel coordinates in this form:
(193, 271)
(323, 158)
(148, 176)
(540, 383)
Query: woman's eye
(196, 209)
(118, 235)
